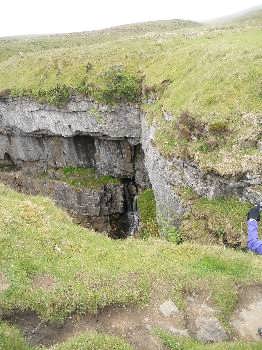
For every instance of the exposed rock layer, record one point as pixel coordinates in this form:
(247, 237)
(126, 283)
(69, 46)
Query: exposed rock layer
(36, 137)
(168, 175)
(116, 141)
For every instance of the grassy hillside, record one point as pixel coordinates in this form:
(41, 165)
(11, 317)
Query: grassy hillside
(45, 257)
(53, 267)
(211, 72)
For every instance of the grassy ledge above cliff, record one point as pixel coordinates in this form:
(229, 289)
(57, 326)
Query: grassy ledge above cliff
(213, 221)
(211, 71)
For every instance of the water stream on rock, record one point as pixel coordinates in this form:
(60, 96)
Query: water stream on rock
(133, 218)
(128, 224)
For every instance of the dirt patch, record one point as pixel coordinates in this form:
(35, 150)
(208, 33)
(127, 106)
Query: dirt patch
(133, 324)
(41, 333)
(4, 284)
(45, 282)
(248, 316)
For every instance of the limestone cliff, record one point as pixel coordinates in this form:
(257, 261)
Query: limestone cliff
(115, 141)
(35, 138)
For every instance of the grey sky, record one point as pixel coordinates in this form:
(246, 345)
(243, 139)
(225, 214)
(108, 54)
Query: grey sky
(58, 16)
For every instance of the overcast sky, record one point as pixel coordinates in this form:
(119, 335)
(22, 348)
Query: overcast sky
(20, 17)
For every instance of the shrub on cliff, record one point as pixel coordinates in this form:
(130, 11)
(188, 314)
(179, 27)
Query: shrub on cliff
(114, 85)
(58, 96)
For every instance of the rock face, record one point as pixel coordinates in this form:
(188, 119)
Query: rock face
(168, 174)
(80, 117)
(114, 140)
(246, 319)
(36, 137)
(203, 322)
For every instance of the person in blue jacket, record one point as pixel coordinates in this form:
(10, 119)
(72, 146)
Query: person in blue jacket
(253, 218)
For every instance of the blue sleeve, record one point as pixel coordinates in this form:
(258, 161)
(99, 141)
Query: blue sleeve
(253, 244)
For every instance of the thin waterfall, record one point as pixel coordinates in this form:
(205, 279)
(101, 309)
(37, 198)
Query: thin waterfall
(133, 218)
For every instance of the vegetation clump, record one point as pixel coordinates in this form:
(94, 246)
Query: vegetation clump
(115, 85)
(94, 341)
(147, 211)
(58, 96)
(214, 221)
(120, 86)
(189, 128)
(12, 339)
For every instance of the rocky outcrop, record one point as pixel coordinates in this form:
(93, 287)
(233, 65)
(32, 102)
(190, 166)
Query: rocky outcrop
(168, 175)
(36, 137)
(80, 116)
(115, 141)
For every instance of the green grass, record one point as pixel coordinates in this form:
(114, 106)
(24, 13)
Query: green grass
(213, 72)
(11, 339)
(83, 177)
(90, 271)
(94, 342)
(147, 211)
(177, 343)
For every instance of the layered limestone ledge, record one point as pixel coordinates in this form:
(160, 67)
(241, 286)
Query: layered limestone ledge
(37, 137)
(25, 117)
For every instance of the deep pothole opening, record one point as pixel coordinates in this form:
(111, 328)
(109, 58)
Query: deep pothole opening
(95, 179)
